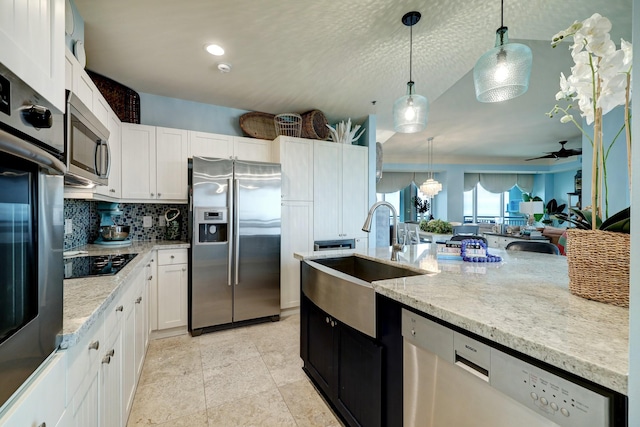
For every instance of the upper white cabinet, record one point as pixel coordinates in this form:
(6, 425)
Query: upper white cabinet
(171, 164)
(296, 157)
(138, 169)
(340, 190)
(32, 40)
(204, 144)
(251, 149)
(154, 163)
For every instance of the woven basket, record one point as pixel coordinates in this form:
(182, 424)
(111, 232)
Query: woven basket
(125, 102)
(258, 125)
(314, 125)
(599, 265)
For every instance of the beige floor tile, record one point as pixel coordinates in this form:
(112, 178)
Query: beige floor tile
(228, 352)
(170, 363)
(285, 366)
(306, 405)
(236, 380)
(198, 419)
(262, 409)
(178, 343)
(167, 399)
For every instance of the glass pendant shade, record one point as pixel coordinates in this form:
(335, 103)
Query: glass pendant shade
(410, 112)
(430, 187)
(503, 72)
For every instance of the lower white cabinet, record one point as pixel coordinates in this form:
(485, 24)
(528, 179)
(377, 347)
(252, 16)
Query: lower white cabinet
(296, 236)
(42, 401)
(172, 288)
(104, 367)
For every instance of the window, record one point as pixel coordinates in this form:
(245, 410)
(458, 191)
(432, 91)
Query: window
(481, 205)
(393, 198)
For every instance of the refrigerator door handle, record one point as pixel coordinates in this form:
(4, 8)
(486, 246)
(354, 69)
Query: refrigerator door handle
(236, 229)
(231, 232)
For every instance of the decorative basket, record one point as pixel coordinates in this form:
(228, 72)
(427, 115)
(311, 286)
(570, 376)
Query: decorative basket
(258, 125)
(123, 101)
(599, 265)
(288, 124)
(314, 125)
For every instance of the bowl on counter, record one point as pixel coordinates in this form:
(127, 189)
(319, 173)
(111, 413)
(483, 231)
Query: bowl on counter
(115, 232)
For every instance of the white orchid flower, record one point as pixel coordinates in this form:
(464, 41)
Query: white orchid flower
(627, 49)
(566, 118)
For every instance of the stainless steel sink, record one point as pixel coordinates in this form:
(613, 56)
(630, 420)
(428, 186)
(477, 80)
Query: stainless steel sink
(342, 288)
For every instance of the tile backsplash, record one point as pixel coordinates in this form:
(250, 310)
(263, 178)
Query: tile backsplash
(86, 221)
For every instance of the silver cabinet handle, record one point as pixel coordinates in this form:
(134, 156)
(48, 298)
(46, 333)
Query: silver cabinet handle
(184, 268)
(43, 425)
(326, 319)
(138, 300)
(159, 194)
(119, 308)
(150, 277)
(106, 360)
(94, 345)
(151, 194)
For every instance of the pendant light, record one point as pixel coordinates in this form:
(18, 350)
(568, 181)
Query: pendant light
(503, 72)
(410, 111)
(430, 187)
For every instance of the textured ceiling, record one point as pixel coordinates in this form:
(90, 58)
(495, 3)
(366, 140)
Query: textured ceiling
(339, 56)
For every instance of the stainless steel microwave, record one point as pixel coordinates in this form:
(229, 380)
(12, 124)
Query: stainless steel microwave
(87, 146)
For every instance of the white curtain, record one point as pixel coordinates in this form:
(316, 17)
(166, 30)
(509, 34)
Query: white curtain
(396, 181)
(498, 182)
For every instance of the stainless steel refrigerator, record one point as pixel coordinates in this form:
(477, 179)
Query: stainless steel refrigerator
(234, 224)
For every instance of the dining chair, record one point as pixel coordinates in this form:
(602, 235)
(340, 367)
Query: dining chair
(528, 246)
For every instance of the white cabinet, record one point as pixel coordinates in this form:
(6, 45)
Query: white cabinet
(296, 157)
(340, 190)
(297, 236)
(151, 271)
(154, 163)
(78, 81)
(114, 187)
(172, 288)
(42, 401)
(501, 242)
(138, 169)
(32, 40)
(111, 408)
(251, 149)
(205, 144)
(171, 164)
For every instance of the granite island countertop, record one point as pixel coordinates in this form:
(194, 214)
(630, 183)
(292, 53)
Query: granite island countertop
(522, 303)
(84, 299)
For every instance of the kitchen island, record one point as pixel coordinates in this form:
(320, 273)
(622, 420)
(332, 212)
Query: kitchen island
(522, 303)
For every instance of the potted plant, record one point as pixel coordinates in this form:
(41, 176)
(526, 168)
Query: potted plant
(436, 226)
(600, 80)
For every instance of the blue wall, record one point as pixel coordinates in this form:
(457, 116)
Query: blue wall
(617, 177)
(158, 110)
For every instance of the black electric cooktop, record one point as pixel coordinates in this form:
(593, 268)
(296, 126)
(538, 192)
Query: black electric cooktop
(95, 265)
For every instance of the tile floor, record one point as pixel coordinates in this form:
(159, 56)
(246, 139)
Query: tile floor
(249, 376)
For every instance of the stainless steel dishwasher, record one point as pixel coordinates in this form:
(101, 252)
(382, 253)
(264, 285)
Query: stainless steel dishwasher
(451, 379)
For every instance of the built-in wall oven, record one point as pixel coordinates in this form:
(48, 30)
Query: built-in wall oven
(31, 231)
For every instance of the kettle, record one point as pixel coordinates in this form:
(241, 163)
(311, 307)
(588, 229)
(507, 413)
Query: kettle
(172, 231)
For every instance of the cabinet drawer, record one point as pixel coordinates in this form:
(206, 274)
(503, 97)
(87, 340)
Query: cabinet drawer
(113, 315)
(43, 400)
(83, 357)
(172, 256)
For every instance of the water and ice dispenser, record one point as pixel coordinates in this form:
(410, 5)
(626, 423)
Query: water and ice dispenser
(211, 224)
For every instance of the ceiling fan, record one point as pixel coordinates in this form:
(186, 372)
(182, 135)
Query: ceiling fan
(562, 153)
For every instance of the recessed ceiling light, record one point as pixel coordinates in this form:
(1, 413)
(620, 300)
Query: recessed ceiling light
(214, 49)
(224, 68)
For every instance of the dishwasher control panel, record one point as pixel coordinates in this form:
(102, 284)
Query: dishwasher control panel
(566, 403)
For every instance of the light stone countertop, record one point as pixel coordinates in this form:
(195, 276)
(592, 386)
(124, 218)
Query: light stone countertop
(85, 299)
(522, 303)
